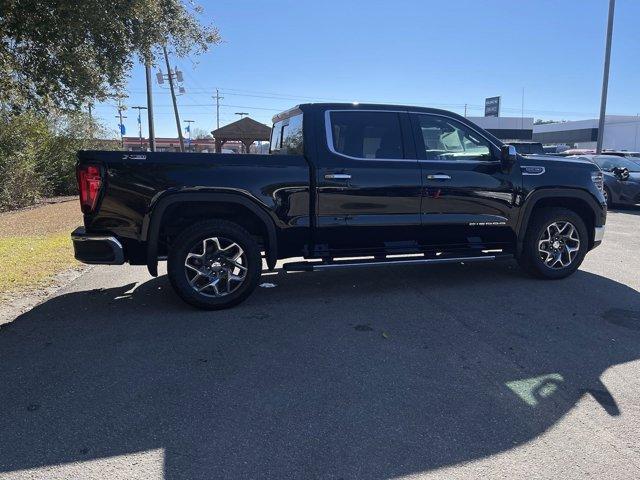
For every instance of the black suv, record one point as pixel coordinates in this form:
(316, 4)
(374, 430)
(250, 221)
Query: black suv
(386, 184)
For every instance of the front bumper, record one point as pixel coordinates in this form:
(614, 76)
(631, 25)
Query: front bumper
(96, 249)
(598, 235)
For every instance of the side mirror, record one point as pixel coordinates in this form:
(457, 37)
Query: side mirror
(507, 155)
(621, 173)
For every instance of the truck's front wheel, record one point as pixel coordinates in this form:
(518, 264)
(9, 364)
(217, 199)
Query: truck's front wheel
(214, 265)
(555, 243)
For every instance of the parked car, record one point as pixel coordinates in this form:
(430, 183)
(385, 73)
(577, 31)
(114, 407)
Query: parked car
(394, 184)
(555, 149)
(634, 156)
(578, 151)
(621, 178)
(528, 148)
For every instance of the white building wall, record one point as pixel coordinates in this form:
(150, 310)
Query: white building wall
(621, 132)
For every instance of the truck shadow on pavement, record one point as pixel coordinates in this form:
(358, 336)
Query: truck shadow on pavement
(371, 373)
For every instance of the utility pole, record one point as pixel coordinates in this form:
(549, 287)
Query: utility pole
(605, 77)
(217, 99)
(121, 108)
(152, 133)
(140, 125)
(173, 97)
(465, 110)
(188, 129)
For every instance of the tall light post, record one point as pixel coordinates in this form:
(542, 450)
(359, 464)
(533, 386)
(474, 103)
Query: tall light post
(605, 77)
(152, 132)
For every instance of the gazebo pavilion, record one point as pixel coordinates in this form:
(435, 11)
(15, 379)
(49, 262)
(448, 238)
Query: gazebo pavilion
(245, 130)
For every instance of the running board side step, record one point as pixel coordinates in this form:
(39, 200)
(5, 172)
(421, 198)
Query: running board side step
(313, 266)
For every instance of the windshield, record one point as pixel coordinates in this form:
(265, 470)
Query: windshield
(608, 163)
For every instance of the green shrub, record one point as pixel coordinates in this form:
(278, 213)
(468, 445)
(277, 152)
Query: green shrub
(38, 155)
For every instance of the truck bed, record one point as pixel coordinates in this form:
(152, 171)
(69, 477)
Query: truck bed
(136, 181)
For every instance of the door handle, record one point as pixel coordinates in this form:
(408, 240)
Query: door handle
(337, 176)
(438, 176)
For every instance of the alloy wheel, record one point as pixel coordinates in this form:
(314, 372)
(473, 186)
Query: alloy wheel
(216, 267)
(559, 244)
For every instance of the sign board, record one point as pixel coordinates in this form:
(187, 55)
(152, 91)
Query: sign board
(492, 107)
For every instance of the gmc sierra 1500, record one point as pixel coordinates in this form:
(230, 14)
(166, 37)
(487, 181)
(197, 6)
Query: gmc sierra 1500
(390, 184)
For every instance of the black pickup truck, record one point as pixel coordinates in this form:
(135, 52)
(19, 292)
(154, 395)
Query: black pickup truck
(384, 184)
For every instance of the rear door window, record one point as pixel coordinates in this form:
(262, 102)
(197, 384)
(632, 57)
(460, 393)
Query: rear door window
(287, 138)
(366, 135)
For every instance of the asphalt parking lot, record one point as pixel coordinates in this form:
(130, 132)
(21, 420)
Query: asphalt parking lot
(458, 371)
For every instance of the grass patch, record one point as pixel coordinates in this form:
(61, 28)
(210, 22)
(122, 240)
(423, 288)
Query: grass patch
(28, 262)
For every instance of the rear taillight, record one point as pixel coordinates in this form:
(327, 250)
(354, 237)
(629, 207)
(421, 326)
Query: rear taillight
(89, 184)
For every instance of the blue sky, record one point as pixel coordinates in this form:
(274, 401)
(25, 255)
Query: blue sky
(278, 53)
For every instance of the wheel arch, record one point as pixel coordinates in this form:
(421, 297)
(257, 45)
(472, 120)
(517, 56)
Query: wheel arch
(248, 210)
(579, 201)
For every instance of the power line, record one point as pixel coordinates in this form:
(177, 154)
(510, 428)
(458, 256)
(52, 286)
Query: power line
(460, 107)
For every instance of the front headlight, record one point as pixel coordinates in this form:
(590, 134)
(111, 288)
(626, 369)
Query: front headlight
(598, 180)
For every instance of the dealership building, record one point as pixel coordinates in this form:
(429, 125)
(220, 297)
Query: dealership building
(506, 128)
(621, 132)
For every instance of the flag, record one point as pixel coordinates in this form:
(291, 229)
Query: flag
(187, 129)
(123, 130)
(139, 121)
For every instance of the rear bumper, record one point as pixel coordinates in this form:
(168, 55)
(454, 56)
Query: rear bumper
(96, 249)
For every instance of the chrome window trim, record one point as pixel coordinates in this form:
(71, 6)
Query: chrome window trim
(329, 137)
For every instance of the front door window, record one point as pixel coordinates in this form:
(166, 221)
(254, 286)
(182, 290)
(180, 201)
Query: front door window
(445, 139)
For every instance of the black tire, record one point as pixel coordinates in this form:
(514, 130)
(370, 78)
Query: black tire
(607, 196)
(193, 236)
(531, 258)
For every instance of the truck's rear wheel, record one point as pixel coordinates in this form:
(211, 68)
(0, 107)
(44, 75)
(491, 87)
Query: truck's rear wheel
(214, 265)
(555, 244)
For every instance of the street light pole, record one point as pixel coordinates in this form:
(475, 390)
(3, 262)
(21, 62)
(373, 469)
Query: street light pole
(152, 132)
(605, 77)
